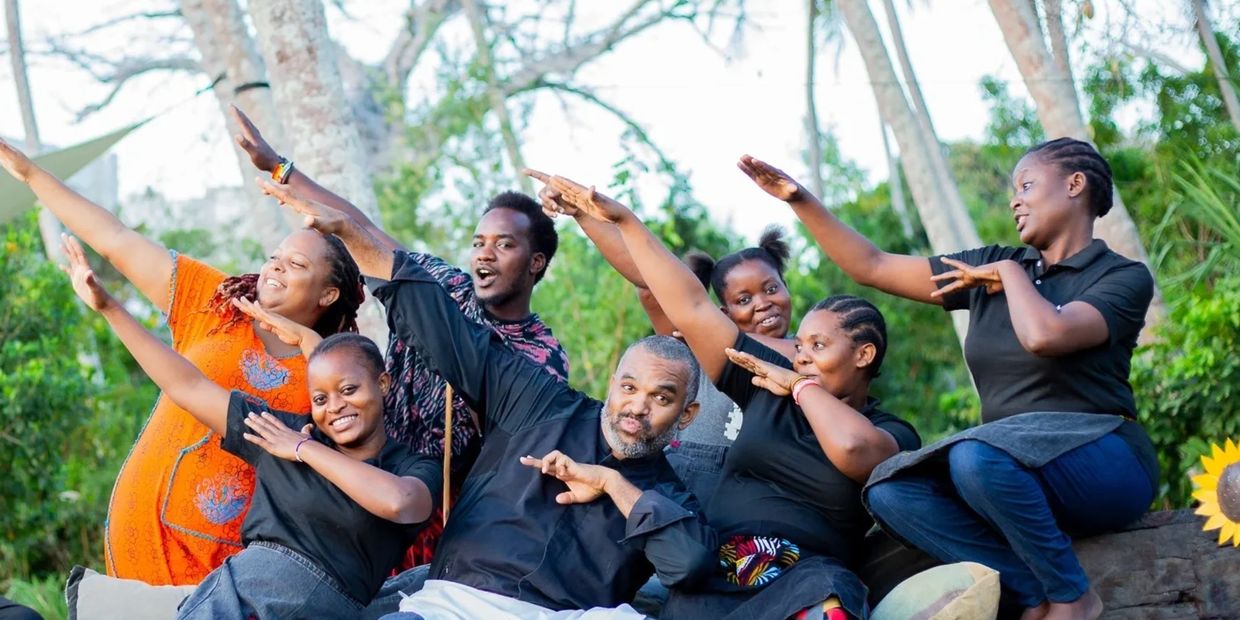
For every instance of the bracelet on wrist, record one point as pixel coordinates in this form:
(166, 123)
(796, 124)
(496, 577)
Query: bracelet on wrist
(282, 171)
(799, 386)
(297, 450)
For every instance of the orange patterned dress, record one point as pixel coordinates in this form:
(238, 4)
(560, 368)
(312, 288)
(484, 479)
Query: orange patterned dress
(179, 500)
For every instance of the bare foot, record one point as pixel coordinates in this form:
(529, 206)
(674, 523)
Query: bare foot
(1088, 607)
(1036, 613)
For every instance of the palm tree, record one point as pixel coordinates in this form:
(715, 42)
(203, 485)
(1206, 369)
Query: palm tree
(1228, 90)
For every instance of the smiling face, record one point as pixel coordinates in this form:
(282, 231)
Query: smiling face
(346, 398)
(1046, 202)
(756, 299)
(828, 354)
(296, 279)
(502, 260)
(646, 403)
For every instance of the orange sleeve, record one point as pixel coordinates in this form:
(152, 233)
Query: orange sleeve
(192, 285)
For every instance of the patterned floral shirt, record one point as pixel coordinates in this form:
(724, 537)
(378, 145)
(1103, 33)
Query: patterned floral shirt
(414, 407)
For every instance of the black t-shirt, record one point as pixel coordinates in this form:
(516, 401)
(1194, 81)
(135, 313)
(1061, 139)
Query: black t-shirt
(776, 479)
(1011, 380)
(296, 507)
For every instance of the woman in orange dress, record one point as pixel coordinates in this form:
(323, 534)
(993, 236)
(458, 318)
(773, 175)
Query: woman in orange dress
(179, 500)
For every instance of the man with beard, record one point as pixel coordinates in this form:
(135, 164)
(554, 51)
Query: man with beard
(532, 531)
(512, 247)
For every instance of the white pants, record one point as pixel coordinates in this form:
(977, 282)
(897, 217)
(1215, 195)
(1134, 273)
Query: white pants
(445, 600)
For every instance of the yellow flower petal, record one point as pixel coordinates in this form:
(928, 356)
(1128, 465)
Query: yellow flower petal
(1229, 530)
(1215, 521)
(1213, 467)
(1205, 482)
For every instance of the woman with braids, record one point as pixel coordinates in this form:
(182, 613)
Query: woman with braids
(1052, 327)
(787, 510)
(179, 501)
(336, 500)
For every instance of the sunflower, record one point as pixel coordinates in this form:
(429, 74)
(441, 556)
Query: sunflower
(1218, 490)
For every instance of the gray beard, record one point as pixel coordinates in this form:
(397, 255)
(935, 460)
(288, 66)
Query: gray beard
(639, 449)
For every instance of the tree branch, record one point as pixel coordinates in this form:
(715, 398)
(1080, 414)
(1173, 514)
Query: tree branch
(421, 23)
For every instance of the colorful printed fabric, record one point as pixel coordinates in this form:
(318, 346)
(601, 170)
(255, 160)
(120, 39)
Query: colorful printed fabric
(414, 407)
(180, 499)
(752, 561)
(829, 609)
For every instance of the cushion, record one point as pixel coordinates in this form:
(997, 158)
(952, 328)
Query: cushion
(92, 596)
(961, 591)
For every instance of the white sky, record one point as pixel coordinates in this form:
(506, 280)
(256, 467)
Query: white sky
(703, 109)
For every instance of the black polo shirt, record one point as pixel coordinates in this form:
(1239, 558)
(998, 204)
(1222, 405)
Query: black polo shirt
(506, 533)
(1011, 380)
(776, 479)
(296, 507)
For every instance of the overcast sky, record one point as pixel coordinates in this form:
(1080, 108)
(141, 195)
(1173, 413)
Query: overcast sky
(703, 108)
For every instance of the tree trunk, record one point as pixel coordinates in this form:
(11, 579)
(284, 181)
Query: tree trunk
(1059, 112)
(499, 105)
(1059, 39)
(306, 84)
(229, 54)
(812, 130)
(895, 184)
(941, 210)
(49, 226)
(1206, 30)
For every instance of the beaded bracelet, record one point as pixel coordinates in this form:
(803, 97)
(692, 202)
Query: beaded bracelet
(297, 450)
(799, 387)
(282, 171)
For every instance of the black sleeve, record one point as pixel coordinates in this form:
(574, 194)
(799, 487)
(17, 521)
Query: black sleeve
(510, 391)
(674, 535)
(1122, 296)
(736, 382)
(241, 404)
(975, 257)
(425, 468)
(905, 435)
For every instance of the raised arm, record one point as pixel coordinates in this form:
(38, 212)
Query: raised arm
(865, 263)
(679, 293)
(145, 263)
(265, 158)
(287, 330)
(176, 376)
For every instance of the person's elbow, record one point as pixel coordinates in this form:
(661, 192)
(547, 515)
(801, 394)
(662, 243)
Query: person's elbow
(1042, 341)
(410, 505)
(858, 456)
(699, 565)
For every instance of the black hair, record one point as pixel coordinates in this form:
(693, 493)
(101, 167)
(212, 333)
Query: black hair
(1072, 155)
(340, 317)
(363, 348)
(862, 321)
(669, 348)
(772, 249)
(543, 237)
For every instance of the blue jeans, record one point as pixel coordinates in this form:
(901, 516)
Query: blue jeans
(268, 581)
(1014, 519)
(395, 589)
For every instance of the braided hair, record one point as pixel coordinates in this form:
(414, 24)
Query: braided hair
(341, 316)
(863, 323)
(1072, 155)
(772, 249)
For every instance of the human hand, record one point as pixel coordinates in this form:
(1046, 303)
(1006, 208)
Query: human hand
(772, 180)
(16, 162)
(553, 202)
(775, 379)
(586, 483)
(968, 277)
(85, 283)
(270, 434)
(251, 141)
(287, 330)
(318, 215)
(584, 199)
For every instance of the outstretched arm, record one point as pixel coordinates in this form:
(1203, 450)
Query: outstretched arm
(679, 293)
(265, 158)
(287, 330)
(176, 376)
(865, 263)
(145, 263)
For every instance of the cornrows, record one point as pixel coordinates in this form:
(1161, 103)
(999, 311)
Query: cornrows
(341, 316)
(1071, 155)
(862, 322)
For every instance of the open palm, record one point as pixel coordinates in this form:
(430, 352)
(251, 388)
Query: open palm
(85, 283)
(772, 180)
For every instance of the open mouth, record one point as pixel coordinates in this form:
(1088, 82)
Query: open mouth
(343, 422)
(770, 321)
(1020, 222)
(485, 276)
(273, 283)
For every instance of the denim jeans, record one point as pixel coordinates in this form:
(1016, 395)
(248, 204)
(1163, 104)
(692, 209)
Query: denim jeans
(1014, 519)
(268, 581)
(394, 590)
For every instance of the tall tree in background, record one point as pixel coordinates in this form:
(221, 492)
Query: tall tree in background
(1226, 86)
(1059, 111)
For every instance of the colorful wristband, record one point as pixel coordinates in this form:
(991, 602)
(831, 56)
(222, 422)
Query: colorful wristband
(297, 450)
(799, 387)
(282, 171)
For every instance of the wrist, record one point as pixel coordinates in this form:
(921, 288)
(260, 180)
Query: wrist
(297, 450)
(799, 386)
(610, 479)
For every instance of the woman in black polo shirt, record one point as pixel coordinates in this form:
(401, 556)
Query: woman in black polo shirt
(336, 502)
(1052, 328)
(788, 506)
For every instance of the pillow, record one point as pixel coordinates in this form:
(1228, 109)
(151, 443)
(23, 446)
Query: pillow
(92, 596)
(961, 591)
